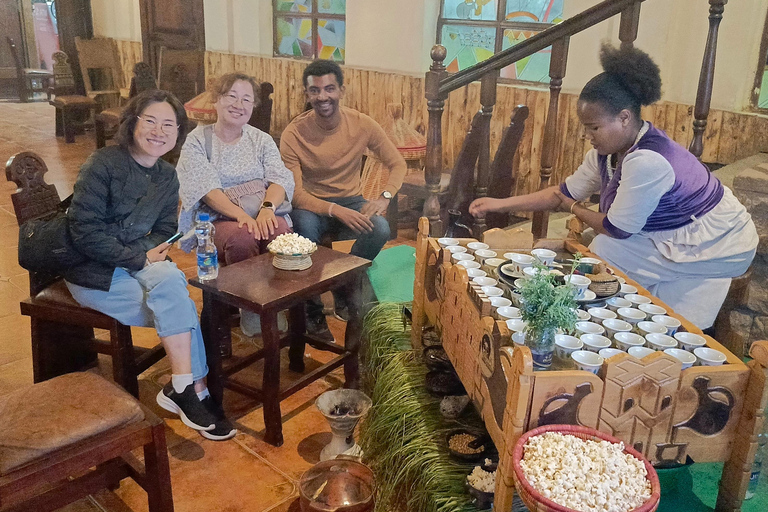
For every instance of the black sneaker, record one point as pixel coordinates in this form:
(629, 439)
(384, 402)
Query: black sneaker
(186, 404)
(341, 311)
(224, 429)
(317, 327)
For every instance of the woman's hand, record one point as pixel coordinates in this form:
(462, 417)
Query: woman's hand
(249, 222)
(266, 224)
(483, 205)
(565, 202)
(158, 253)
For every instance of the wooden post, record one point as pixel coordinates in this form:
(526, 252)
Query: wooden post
(706, 78)
(487, 100)
(630, 19)
(434, 161)
(557, 66)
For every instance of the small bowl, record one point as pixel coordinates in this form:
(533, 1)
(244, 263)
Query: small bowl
(466, 457)
(651, 309)
(468, 263)
(607, 353)
(476, 246)
(517, 327)
(636, 299)
(645, 327)
(709, 356)
(627, 340)
(614, 325)
(530, 272)
(581, 283)
(595, 342)
(689, 341)
(583, 316)
(508, 312)
(685, 357)
(589, 328)
(455, 249)
(588, 361)
(492, 291)
(483, 254)
(631, 315)
(476, 272)
(521, 261)
(670, 323)
(640, 352)
(544, 255)
(600, 314)
(626, 289)
(566, 345)
(461, 256)
(499, 302)
(614, 303)
(484, 281)
(491, 264)
(658, 342)
(435, 358)
(447, 242)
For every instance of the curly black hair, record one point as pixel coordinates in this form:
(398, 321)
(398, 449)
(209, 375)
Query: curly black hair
(630, 79)
(322, 67)
(134, 108)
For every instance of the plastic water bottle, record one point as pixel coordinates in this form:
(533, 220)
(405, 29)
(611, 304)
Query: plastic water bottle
(207, 256)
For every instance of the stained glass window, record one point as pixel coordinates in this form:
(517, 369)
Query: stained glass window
(473, 30)
(309, 29)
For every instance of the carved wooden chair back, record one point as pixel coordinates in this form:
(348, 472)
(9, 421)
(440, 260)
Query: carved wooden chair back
(100, 65)
(261, 117)
(143, 79)
(181, 72)
(461, 188)
(63, 80)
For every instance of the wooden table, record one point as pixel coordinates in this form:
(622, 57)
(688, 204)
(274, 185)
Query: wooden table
(256, 285)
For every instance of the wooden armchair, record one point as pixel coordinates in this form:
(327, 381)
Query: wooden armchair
(181, 72)
(62, 330)
(102, 73)
(28, 80)
(107, 120)
(70, 106)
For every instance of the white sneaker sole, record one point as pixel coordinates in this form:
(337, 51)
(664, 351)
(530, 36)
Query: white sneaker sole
(232, 433)
(170, 406)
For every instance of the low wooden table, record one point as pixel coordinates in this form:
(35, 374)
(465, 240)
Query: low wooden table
(256, 285)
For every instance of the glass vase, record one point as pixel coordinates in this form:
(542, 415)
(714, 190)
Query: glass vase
(542, 345)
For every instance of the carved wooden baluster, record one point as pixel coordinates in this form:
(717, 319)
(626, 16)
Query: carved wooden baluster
(434, 161)
(487, 100)
(630, 19)
(557, 65)
(706, 78)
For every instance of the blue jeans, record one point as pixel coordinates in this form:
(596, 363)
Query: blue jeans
(313, 226)
(155, 296)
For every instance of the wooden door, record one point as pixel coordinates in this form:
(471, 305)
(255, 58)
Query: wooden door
(15, 22)
(175, 24)
(74, 19)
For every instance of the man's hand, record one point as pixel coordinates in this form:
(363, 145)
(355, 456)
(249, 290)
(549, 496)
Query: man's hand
(354, 220)
(376, 207)
(158, 253)
(266, 224)
(483, 205)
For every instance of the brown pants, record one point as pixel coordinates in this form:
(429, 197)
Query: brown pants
(237, 244)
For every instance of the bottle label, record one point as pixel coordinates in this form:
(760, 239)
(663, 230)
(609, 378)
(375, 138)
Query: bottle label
(208, 260)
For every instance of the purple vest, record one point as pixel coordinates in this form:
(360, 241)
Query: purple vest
(695, 192)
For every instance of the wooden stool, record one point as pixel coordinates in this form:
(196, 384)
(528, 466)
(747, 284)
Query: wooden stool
(71, 436)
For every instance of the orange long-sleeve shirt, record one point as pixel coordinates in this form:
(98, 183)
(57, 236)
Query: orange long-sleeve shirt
(328, 163)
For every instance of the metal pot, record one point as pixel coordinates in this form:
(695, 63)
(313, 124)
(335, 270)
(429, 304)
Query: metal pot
(337, 485)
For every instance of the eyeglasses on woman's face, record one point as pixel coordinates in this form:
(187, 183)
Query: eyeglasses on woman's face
(167, 127)
(231, 98)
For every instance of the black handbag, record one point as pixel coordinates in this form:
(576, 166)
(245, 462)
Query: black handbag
(45, 244)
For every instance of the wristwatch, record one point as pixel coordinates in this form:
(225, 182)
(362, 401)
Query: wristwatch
(267, 204)
(387, 194)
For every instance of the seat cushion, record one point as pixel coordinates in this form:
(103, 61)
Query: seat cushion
(45, 417)
(73, 101)
(59, 294)
(111, 115)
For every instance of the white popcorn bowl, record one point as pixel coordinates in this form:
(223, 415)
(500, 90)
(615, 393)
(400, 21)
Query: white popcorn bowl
(670, 323)
(583, 316)
(455, 249)
(614, 303)
(292, 261)
(588, 361)
(508, 312)
(607, 353)
(521, 261)
(685, 357)
(461, 256)
(636, 299)
(709, 356)
(689, 341)
(651, 309)
(484, 281)
(659, 342)
(476, 272)
(565, 345)
(468, 264)
(581, 283)
(588, 328)
(630, 315)
(640, 352)
(600, 314)
(614, 325)
(544, 255)
(483, 254)
(492, 291)
(446, 242)
(595, 342)
(645, 327)
(626, 340)
(476, 246)
(627, 289)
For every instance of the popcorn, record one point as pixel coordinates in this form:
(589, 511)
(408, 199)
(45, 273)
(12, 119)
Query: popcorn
(292, 244)
(482, 480)
(585, 475)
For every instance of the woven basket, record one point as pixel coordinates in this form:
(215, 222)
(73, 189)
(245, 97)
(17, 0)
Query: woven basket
(292, 261)
(606, 288)
(538, 503)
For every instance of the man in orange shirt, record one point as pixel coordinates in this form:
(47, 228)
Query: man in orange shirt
(324, 149)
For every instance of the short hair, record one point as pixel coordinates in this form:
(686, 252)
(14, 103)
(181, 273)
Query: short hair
(224, 83)
(322, 67)
(137, 105)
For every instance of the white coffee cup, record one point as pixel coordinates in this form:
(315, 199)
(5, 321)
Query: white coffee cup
(689, 341)
(476, 272)
(671, 324)
(651, 309)
(544, 255)
(530, 272)
(588, 361)
(476, 246)
(658, 342)
(709, 356)
(580, 283)
(455, 249)
(499, 302)
(490, 265)
(626, 289)
(645, 327)
(566, 345)
(607, 353)
(614, 303)
(626, 340)
(631, 315)
(485, 281)
(517, 327)
(445, 242)
(461, 256)
(636, 299)
(685, 357)
(492, 291)
(483, 254)
(588, 328)
(583, 316)
(614, 325)
(521, 261)
(640, 352)
(508, 312)
(595, 342)
(468, 264)
(600, 314)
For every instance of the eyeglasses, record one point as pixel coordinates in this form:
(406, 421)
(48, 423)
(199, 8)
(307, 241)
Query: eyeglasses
(231, 99)
(167, 128)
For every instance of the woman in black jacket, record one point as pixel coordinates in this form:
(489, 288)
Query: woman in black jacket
(123, 209)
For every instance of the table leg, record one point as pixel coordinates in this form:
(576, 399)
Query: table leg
(296, 328)
(354, 332)
(213, 322)
(271, 382)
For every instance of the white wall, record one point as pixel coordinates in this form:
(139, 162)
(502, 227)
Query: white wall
(396, 36)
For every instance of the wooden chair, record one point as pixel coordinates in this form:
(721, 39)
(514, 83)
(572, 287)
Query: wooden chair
(70, 107)
(62, 330)
(181, 72)
(107, 120)
(28, 80)
(261, 117)
(72, 436)
(102, 73)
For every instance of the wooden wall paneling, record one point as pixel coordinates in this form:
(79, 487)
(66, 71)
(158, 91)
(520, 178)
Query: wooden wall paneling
(753, 135)
(541, 109)
(669, 126)
(684, 125)
(563, 136)
(574, 143)
(729, 137)
(711, 138)
(526, 97)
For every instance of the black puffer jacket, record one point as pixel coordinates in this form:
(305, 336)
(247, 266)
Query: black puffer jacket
(119, 211)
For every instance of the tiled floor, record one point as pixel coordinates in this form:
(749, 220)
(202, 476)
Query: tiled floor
(244, 474)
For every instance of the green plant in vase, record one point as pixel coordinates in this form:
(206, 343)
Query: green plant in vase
(546, 307)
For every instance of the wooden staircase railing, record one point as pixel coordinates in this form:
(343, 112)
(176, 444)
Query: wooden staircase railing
(439, 83)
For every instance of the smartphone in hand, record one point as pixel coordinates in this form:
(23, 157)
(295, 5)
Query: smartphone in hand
(174, 238)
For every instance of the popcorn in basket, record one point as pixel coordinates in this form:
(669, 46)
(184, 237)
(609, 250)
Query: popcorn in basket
(292, 251)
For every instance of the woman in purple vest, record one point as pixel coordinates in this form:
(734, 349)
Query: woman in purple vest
(664, 220)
